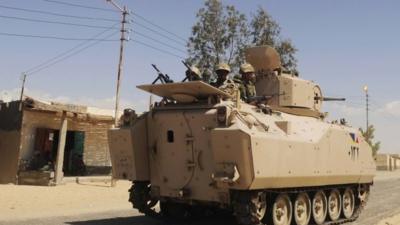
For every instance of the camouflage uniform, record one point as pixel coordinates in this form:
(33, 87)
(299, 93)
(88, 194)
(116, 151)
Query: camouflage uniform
(247, 87)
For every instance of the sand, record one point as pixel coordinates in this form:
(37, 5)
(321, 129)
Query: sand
(395, 220)
(18, 202)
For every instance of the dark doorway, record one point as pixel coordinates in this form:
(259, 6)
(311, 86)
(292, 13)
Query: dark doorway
(73, 164)
(73, 154)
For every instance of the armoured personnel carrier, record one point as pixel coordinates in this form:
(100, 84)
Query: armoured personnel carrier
(275, 161)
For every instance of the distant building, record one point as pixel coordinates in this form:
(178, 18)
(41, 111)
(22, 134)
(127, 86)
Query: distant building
(388, 162)
(397, 161)
(33, 133)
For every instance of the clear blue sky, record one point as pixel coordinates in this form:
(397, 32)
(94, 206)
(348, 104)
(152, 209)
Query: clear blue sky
(342, 46)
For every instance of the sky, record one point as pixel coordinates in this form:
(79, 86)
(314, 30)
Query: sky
(342, 45)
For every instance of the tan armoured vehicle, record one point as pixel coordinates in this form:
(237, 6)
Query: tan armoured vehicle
(274, 161)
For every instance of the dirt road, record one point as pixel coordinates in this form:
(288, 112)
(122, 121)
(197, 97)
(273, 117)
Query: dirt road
(108, 206)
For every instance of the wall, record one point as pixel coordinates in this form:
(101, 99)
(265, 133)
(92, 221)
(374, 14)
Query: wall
(96, 151)
(9, 149)
(10, 116)
(10, 123)
(383, 162)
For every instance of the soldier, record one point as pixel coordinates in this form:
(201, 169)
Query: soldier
(193, 74)
(222, 72)
(247, 87)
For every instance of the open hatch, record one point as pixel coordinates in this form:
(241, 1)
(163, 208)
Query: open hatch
(184, 92)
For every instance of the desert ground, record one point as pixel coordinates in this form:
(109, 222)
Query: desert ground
(96, 203)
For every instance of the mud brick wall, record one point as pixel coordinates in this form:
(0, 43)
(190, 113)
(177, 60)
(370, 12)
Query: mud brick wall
(96, 151)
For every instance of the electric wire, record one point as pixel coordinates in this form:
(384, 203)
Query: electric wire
(158, 41)
(55, 37)
(81, 6)
(70, 55)
(57, 14)
(65, 55)
(135, 14)
(52, 22)
(181, 40)
(157, 49)
(159, 33)
(68, 51)
(158, 26)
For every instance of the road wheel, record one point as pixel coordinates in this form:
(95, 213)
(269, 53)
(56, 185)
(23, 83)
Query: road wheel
(334, 204)
(139, 196)
(363, 193)
(319, 207)
(250, 207)
(348, 203)
(302, 209)
(282, 210)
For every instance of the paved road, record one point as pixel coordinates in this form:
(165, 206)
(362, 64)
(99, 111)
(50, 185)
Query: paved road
(384, 202)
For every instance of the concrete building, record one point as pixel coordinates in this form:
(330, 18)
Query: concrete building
(388, 162)
(40, 143)
(396, 158)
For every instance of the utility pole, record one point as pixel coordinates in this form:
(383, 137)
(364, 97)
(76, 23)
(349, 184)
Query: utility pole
(23, 86)
(124, 12)
(366, 106)
(22, 91)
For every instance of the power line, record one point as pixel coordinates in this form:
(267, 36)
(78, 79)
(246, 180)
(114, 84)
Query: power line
(158, 49)
(51, 22)
(70, 55)
(159, 33)
(110, 10)
(66, 52)
(159, 27)
(158, 41)
(54, 37)
(57, 14)
(81, 6)
(181, 41)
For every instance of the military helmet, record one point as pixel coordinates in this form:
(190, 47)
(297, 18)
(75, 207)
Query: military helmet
(246, 68)
(223, 66)
(195, 71)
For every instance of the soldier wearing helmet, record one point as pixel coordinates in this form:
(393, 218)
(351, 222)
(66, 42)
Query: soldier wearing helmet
(193, 74)
(222, 72)
(247, 87)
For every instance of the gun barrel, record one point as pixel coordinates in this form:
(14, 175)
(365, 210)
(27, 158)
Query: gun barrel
(260, 98)
(186, 65)
(155, 67)
(329, 99)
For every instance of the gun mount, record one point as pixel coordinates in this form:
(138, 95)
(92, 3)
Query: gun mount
(164, 78)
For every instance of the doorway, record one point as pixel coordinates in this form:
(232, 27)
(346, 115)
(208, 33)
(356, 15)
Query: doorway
(73, 164)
